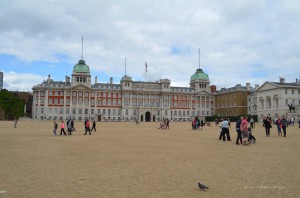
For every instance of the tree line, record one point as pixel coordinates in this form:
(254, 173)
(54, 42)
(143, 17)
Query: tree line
(11, 104)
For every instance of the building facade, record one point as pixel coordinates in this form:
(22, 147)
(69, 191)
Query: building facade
(129, 100)
(273, 98)
(252, 101)
(232, 101)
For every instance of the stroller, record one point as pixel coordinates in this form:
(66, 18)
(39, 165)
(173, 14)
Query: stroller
(245, 136)
(162, 126)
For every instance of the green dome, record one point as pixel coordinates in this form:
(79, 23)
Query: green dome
(81, 67)
(199, 75)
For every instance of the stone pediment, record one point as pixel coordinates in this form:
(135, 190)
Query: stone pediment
(203, 92)
(80, 87)
(268, 86)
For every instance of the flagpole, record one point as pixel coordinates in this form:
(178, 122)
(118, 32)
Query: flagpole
(125, 66)
(81, 47)
(199, 58)
(145, 71)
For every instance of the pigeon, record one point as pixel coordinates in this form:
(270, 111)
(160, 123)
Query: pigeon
(202, 186)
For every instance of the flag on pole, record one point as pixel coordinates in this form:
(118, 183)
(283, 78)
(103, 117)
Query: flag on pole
(146, 66)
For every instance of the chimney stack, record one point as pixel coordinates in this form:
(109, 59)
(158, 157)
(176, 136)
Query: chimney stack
(67, 79)
(282, 80)
(49, 78)
(111, 80)
(213, 88)
(248, 86)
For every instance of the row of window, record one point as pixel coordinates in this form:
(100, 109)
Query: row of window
(108, 94)
(56, 111)
(80, 93)
(231, 104)
(292, 91)
(276, 102)
(228, 113)
(114, 102)
(228, 96)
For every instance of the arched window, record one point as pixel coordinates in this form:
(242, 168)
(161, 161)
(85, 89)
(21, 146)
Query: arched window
(276, 101)
(261, 103)
(254, 107)
(268, 102)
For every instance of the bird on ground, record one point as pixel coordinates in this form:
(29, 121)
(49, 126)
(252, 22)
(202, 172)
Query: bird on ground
(202, 186)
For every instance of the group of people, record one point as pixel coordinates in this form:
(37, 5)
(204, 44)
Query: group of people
(242, 129)
(165, 124)
(244, 132)
(280, 122)
(199, 124)
(87, 126)
(70, 127)
(290, 121)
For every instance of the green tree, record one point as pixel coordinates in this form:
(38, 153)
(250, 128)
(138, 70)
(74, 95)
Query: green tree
(11, 104)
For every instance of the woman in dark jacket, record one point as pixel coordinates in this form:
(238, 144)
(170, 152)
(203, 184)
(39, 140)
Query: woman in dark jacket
(267, 124)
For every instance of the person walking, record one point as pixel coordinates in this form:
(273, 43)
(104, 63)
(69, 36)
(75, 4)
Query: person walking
(69, 125)
(267, 124)
(222, 135)
(167, 123)
(201, 124)
(72, 124)
(244, 128)
(279, 126)
(15, 123)
(225, 130)
(62, 128)
(55, 125)
(251, 122)
(292, 121)
(198, 123)
(94, 126)
(238, 130)
(87, 127)
(284, 125)
(195, 122)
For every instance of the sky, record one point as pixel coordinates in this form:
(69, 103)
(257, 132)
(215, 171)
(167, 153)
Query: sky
(240, 41)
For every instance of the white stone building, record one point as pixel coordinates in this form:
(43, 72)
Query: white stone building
(129, 100)
(252, 101)
(273, 98)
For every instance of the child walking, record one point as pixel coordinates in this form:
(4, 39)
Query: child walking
(62, 128)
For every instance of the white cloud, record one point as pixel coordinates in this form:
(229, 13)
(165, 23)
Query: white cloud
(233, 36)
(21, 81)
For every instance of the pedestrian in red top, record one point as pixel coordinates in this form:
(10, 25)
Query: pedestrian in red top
(87, 127)
(244, 129)
(62, 128)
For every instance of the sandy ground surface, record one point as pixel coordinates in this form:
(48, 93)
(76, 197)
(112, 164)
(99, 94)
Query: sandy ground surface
(129, 160)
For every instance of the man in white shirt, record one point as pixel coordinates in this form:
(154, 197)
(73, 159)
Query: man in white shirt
(225, 130)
